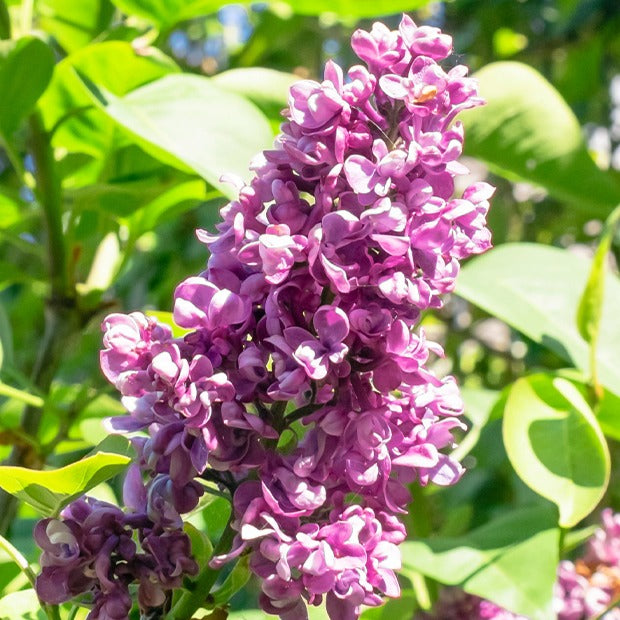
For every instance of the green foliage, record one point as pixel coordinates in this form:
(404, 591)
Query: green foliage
(556, 446)
(187, 122)
(22, 605)
(68, 109)
(237, 578)
(49, 491)
(527, 131)
(74, 24)
(511, 561)
(590, 308)
(167, 13)
(21, 89)
(536, 289)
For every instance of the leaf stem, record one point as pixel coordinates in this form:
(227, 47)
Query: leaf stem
(61, 317)
(19, 559)
(192, 600)
(25, 397)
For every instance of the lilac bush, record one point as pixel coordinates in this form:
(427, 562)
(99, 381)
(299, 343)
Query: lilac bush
(301, 326)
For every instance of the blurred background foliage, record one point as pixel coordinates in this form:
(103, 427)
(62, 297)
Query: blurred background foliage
(117, 118)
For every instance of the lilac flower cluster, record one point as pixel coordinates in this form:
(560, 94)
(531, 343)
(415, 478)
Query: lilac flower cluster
(301, 385)
(96, 551)
(589, 586)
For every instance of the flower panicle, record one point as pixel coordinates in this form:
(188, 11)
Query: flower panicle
(304, 320)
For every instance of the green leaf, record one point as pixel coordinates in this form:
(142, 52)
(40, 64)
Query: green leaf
(202, 549)
(555, 445)
(247, 614)
(479, 404)
(267, 88)
(24, 75)
(22, 605)
(168, 204)
(187, 122)
(536, 289)
(590, 308)
(74, 24)
(393, 609)
(166, 13)
(527, 131)
(355, 8)
(67, 107)
(50, 491)
(9, 212)
(608, 414)
(511, 561)
(237, 578)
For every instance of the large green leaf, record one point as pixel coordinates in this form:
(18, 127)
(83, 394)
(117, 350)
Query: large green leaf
(166, 13)
(555, 444)
(355, 8)
(479, 404)
(74, 24)
(267, 88)
(49, 491)
(22, 605)
(527, 131)
(536, 290)
(188, 122)
(24, 75)
(115, 66)
(511, 561)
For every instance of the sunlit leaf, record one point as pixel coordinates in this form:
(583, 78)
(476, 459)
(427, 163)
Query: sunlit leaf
(22, 605)
(527, 131)
(67, 106)
(267, 88)
(74, 24)
(555, 445)
(166, 13)
(188, 122)
(536, 289)
(49, 491)
(511, 561)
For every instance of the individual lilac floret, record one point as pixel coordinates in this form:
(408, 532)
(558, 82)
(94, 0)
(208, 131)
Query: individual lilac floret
(303, 386)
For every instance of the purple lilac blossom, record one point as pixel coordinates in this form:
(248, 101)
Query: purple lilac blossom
(590, 585)
(303, 319)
